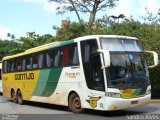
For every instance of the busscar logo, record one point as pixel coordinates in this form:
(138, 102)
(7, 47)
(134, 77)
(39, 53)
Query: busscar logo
(24, 76)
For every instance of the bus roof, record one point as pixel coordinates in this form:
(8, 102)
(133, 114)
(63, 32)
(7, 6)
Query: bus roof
(40, 48)
(57, 44)
(103, 36)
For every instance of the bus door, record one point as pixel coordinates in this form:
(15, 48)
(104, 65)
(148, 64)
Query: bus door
(95, 91)
(97, 79)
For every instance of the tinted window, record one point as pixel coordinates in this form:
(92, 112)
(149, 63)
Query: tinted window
(41, 60)
(50, 58)
(26, 63)
(69, 55)
(5, 67)
(13, 65)
(18, 64)
(65, 56)
(62, 56)
(88, 48)
(9, 66)
(56, 57)
(35, 59)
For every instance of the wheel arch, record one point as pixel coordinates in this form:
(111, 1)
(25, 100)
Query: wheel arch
(12, 89)
(18, 90)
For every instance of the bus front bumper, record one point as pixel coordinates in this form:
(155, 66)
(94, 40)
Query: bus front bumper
(120, 103)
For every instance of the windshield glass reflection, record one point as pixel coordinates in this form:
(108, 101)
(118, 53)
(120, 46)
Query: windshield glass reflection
(127, 69)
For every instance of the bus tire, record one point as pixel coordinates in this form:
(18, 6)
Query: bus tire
(74, 103)
(13, 96)
(20, 97)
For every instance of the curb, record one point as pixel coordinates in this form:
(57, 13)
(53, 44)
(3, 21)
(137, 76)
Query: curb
(155, 101)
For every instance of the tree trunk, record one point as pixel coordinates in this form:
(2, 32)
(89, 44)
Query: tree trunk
(71, 1)
(93, 13)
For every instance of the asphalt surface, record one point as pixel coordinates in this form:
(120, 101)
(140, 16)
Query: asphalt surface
(41, 111)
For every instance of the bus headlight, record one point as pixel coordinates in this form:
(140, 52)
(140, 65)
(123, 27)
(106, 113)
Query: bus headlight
(114, 95)
(148, 91)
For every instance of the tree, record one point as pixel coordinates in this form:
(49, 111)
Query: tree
(11, 36)
(70, 31)
(6, 46)
(150, 17)
(34, 40)
(90, 7)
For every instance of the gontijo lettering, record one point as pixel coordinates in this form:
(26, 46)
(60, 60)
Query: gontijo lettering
(24, 76)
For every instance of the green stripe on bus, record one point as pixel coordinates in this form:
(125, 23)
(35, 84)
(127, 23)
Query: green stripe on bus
(139, 91)
(47, 82)
(42, 81)
(62, 44)
(52, 82)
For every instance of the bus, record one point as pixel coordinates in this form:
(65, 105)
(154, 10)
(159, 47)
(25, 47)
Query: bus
(101, 72)
(0, 77)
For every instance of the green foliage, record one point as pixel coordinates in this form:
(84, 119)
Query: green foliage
(70, 31)
(155, 78)
(17, 46)
(6, 47)
(34, 40)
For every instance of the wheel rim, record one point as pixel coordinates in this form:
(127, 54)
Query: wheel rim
(13, 96)
(19, 97)
(76, 103)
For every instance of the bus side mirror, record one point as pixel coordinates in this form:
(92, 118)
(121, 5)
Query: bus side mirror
(106, 58)
(155, 58)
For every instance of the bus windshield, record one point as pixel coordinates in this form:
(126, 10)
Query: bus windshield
(128, 67)
(119, 44)
(127, 70)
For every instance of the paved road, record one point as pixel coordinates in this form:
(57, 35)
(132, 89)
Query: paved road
(39, 111)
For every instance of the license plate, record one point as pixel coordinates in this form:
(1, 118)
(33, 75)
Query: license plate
(134, 102)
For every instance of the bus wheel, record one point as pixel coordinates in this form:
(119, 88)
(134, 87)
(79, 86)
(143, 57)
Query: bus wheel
(75, 103)
(19, 97)
(13, 96)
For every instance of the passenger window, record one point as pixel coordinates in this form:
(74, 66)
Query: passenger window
(75, 56)
(65, 56)
(35, 58)
(26, 63)
(9, 66)
(41, 62)
(57, 57)
(49, 58)
(13, 66)
(23, 64)
(5, 67)
(69, 55)
(18, 64)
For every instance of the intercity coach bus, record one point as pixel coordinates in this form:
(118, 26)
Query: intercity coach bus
(101, 72)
